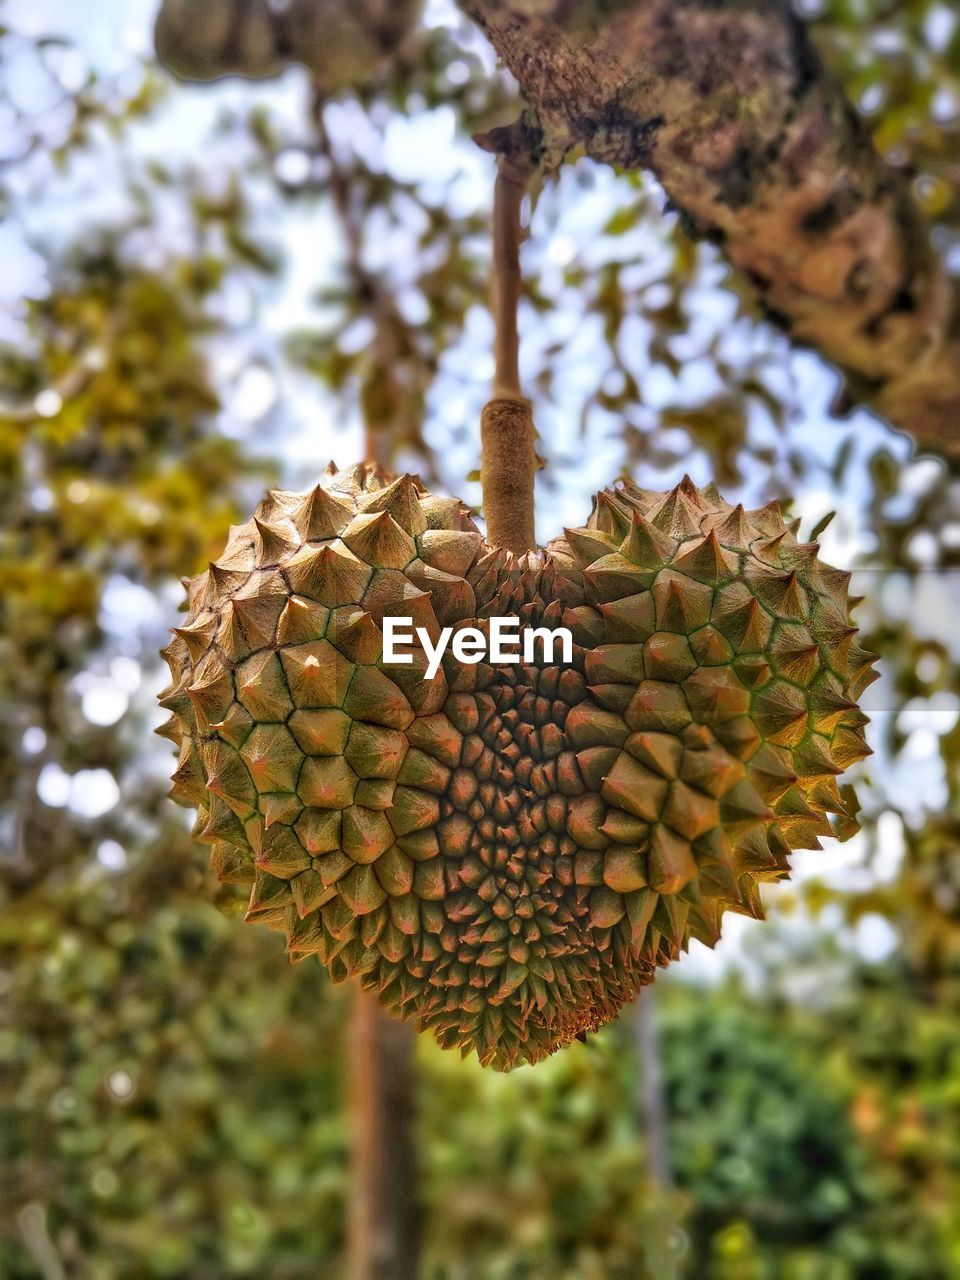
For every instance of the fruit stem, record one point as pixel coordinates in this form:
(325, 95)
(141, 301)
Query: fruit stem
(508, 192)
(508, 458)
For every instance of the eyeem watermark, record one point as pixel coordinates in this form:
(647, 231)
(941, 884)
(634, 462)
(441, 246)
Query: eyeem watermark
(470, 645)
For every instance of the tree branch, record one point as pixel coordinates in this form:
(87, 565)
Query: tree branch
(730, 106)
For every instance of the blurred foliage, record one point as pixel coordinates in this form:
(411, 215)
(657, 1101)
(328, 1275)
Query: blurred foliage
(900, 64)
(170, 1096)
(540, 1173)
(171, 1091)
(817, 1144)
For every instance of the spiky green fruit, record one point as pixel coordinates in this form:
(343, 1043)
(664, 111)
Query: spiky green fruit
(506, 854)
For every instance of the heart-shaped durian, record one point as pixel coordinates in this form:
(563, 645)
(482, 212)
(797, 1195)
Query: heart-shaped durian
(506, 853)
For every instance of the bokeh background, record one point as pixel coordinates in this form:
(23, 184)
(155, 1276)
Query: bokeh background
(206, 290)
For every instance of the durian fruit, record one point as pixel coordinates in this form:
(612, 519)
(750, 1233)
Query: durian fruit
(343, 43)
(505, 854)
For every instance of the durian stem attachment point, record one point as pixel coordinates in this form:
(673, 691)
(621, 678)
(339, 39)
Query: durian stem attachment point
(508, 457)
(507, 468)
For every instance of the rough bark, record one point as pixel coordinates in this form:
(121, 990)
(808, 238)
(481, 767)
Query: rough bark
(727, 102)
(382, 1219)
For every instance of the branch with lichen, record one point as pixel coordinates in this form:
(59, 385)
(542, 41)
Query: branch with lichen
(730, 106)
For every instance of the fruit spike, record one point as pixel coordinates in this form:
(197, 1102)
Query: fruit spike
(320, 514)
(505, 854)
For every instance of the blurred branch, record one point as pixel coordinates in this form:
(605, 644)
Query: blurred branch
(33, 1228)
(731, 108)
(375, 393)
(75, 380)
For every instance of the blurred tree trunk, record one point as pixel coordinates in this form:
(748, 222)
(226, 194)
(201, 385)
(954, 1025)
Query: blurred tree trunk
(382, 1211)
(651, 1102)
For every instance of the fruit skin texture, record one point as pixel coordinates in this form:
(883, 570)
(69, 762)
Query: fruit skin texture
(507, 854)
(342, 43)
